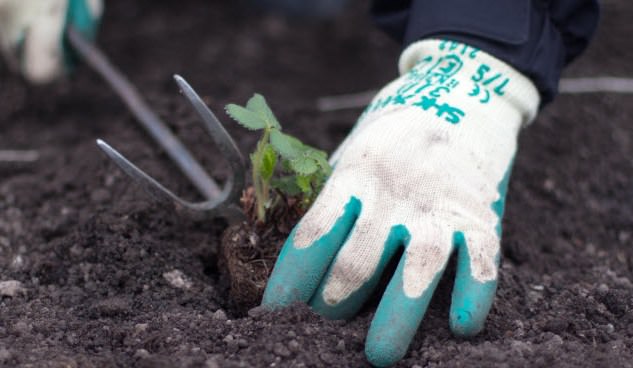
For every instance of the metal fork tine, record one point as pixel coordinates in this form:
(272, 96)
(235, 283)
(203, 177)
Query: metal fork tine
(151, 185)
(144, 114)
(222, 202)
(222, 139)
(162, 194)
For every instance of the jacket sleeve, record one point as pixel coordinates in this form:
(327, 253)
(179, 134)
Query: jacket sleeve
(537, 37)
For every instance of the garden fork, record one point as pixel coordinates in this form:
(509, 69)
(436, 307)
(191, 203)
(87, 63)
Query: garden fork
(219, 202)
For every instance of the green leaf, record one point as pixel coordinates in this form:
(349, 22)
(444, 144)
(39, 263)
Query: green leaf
(258, 105)
(319, 181)
(285, 165)
(304, 165)
(269, 161)
(303, 182)
(245, 118)
(321, 159)
(287, 146)
(286, 185)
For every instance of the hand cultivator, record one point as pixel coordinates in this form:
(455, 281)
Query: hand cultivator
(219, 202)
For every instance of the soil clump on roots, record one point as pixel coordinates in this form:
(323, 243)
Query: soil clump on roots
(249, 250)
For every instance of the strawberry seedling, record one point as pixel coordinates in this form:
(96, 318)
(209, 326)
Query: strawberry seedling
(281, 164)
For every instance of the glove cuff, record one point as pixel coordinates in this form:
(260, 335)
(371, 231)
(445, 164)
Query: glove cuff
(490, 76)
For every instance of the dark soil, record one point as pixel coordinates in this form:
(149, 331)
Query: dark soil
(96, 258)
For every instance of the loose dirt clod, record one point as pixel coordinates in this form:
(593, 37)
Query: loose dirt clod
(178, 279)
(11, 288)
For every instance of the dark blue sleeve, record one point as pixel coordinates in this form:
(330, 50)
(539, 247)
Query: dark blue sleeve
(537, 37)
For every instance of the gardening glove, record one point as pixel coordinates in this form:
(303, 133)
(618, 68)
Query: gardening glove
(425, 170)
(32, 34)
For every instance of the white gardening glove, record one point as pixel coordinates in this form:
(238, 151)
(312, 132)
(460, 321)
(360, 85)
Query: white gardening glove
(32, 33)
(425, 169)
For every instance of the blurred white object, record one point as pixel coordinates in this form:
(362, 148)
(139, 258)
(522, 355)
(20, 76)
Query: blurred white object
(31, 33)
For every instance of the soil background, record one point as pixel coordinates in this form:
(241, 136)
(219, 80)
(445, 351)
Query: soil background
(91, 250)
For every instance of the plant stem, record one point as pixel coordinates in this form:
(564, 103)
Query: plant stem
(262, 187)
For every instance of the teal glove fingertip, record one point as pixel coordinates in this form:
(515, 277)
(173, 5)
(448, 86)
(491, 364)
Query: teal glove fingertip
(471, 299)
(396, 320)
(299, 271)
(347, 308)
(469, 312)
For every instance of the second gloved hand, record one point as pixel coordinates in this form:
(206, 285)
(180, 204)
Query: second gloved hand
(425, 170)
(32, 33)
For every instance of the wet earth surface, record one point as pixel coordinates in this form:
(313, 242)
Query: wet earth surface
(95, 274)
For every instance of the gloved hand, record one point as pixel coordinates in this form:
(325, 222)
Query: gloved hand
(426, 169)
(32, 34)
